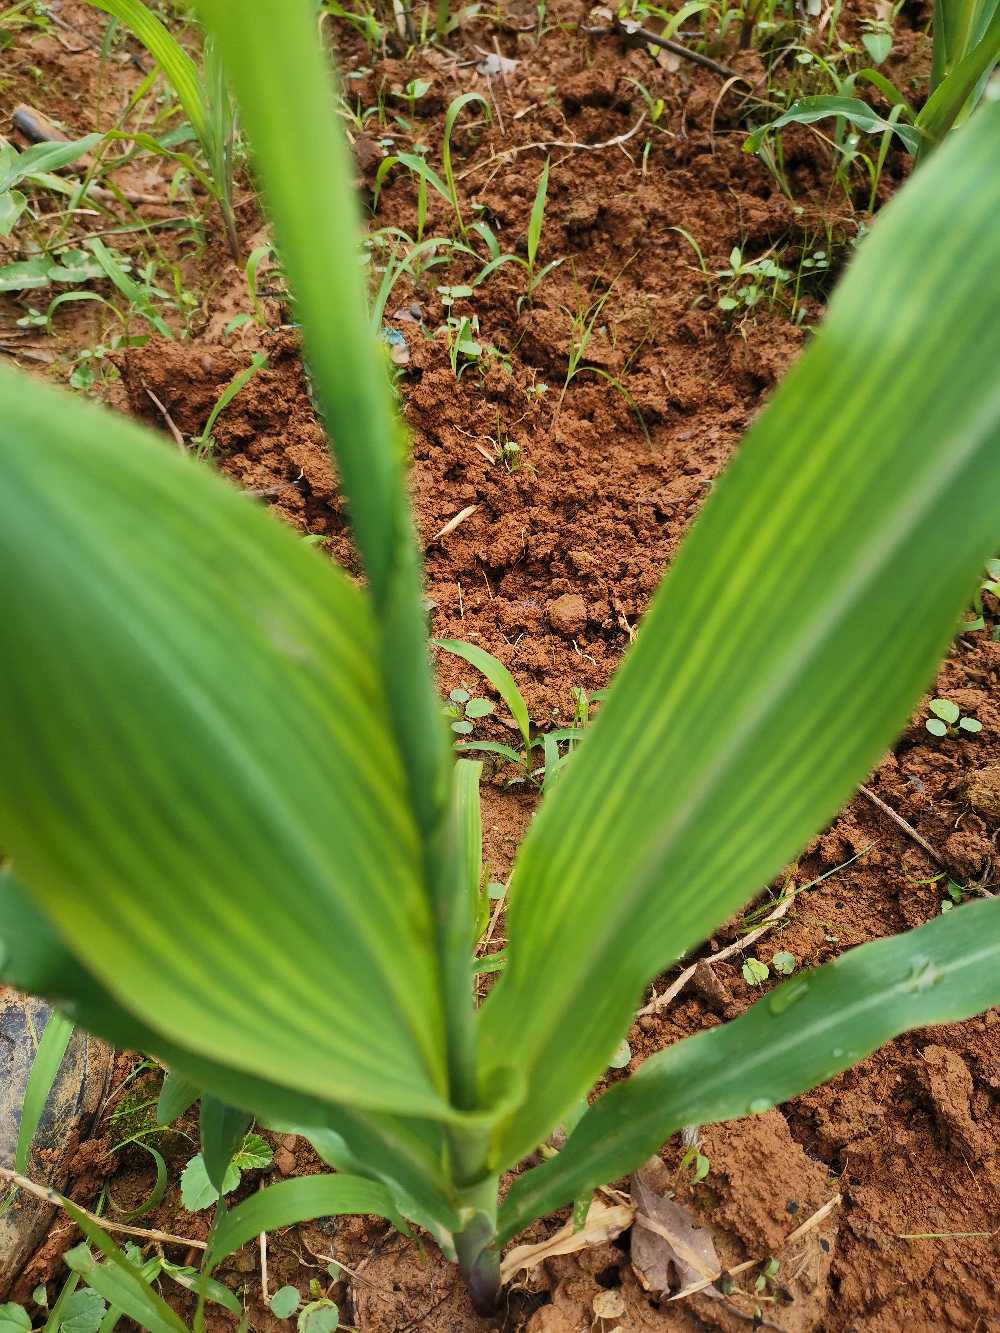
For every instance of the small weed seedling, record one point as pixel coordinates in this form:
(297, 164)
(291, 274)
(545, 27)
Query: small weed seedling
(745, 283)
(197, 1190)
(463, 711)
(695, 1162)
(204, 443)
(755, 973)
(949, 721)
(498, 258)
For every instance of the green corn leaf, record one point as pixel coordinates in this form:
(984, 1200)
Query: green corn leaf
(804, 1032)
(292, 1201)
(404, 1153)
(178, 67)
(468, 818)
(271, 789)
(42, 157)
(959, 25)
(537, 216)
(44, 1070)
(807, 110)
(279, 74)
(950, 99)
(498, 676)
(455, 109)
(787, 645)
(176, 1095)
(222, 1130)
(120, 1283)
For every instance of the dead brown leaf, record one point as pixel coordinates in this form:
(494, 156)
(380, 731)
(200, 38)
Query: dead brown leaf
(604, 1222)
(668, 1250)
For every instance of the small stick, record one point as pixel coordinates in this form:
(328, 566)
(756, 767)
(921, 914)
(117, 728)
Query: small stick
(797, 1234)
(453, 523)
(661, 1001)
(51, 1196)
(263, 1268)
(918, 838)
(636, 36)
(178, 438)
(616, 142)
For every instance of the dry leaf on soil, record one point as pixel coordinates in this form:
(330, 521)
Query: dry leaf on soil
(604, 1222)
(668, 1250)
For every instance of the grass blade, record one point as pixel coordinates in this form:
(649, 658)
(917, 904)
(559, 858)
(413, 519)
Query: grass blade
(455, 108)
(44, 1071)
(807, 110)
(118, 1281)
(292, 1201)
(178, 67)
(498, 676)
(222, 1131)
(804, 1032)
(177, 1095)
(804, 614)
(537, 216)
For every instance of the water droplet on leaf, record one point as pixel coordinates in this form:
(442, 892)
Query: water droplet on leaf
(922, 976)
(785, 996)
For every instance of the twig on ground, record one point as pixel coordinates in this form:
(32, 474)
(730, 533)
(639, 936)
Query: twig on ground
(634, 35)
(453, 523)
(659, 1002)
(919, 839)
(263, 1268)
(53, 1197)
(808, 1225)
(178, 438)
(616, 142)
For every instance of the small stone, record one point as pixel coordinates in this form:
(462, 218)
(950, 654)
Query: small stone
(608, 1305)
(982, 788)
(568, 614)
(707, 983)
(284, 1160)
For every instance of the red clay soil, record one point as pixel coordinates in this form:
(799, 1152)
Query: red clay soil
(560, 548)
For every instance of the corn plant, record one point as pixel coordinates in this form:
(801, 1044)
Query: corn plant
(203, 96)
(241, 842)
(966, 50)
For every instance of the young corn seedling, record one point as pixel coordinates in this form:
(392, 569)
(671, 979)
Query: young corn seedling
(211, 735)
(532, 239)
(966, 51)
(203, 96)
(426, 175)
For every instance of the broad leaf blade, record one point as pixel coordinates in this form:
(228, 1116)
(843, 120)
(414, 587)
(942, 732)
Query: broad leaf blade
(787, 645)
(44, 1071)
(808, 110)
(222, 1131)
(118, 1281)
(404, 1153)
(227, 837)
(178, 67)
(292, 1201)
(807, 1030)
(280, 75)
